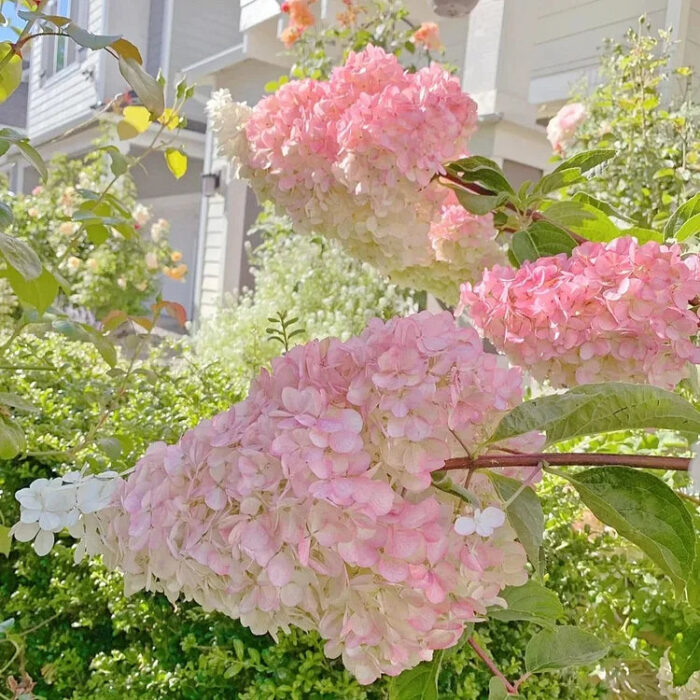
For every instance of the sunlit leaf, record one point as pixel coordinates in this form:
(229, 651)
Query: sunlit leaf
(11, 72)
(561, 647)
(177, 162)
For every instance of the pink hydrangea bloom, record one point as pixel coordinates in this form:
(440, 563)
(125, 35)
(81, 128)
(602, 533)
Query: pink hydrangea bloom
(310, 503)
(610, 312)
(354, 157)
(562, 126)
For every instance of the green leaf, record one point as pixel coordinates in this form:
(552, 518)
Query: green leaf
(6, 217)
(561, 647)
(58, 20)
(15, 401)
(684, 654)
(482, 171)
(643, 234)
(119, 164)
(581, 218)
(97, 233)
(479, 203)
(5, 542)
(599, 408)
(498, 691)
(32, 155)
(690, 227)
(12, 440)
(644, 511)
(145, 86)
(524, 515)
(419, 682)
(540, 239)
(111, 446)
(558, 179)
(177, 162)
(20, 257)
(587, 160)
(600, 205)
(11, 73)
(88, 39)
(686, 211)
(531, 602)
(39, 292)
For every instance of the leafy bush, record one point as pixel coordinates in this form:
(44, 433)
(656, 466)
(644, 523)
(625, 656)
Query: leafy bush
(647, 113)
(311, 279)
(105, 269)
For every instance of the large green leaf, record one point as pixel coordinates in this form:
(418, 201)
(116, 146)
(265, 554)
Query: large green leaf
(690, 227)
(540, 239)
(11, 72)
(643, 510)
(561, 647)
(12, 440)
(558, 179)
(684, 213)
(39, 292)
(19, 256)
(598, 408)
(482, 171)
(684, 654)
(497, 690)
(583, 219)
(587, 160)
(419, 682)
(148, 89)
(88, 39)
(524, 515)
(531, 602)
(479, 203)
(32, 155)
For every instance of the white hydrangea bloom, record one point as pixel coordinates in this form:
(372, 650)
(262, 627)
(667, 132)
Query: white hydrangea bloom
(48, 506)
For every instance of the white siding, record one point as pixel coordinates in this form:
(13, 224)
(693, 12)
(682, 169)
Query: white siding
(69, 95)
(570, 35)
(692, 49)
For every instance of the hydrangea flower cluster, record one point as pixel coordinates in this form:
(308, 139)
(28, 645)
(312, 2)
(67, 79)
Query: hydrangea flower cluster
(50, 505)
(562, 126)
(611, 312)
(310, 503)
(354, 157)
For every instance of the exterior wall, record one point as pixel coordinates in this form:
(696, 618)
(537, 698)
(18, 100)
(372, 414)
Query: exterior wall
(72, 92)
(13, 112)
(570, 34)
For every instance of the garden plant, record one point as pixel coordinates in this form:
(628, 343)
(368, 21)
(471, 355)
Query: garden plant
(386, 491)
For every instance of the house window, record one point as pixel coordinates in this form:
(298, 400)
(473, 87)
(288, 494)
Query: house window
(61, 52)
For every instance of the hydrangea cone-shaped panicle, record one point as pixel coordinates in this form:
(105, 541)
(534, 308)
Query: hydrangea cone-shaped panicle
(354, 158)
(610, 312)
(310, 503)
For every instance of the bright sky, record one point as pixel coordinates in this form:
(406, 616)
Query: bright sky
(10, 12)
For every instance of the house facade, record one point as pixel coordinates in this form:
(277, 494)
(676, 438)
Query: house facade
(517, 58)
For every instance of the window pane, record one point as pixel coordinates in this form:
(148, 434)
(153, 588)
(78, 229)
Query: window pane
(61, 51)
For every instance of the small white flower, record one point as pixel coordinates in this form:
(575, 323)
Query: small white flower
(482, 522)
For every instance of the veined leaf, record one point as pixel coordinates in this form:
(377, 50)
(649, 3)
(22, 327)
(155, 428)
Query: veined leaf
(39, 292)
(419, 682)
(148, 89)
(541, 239)
(561, 647)
(599, 408)
(684, 654)
(685, 212)
(19, 256)
(644, 511)
(531, 602)
(587, 160)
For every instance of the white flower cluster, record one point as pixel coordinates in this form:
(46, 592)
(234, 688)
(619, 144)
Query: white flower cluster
(50, 505)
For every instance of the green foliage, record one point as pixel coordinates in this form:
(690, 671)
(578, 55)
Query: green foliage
(599, 408)
(307, 278)
(646, 113)
(107, 268)
(561, 647)
(383, 23)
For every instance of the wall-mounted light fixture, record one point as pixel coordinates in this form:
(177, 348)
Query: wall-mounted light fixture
(210, 183)
(453, 8)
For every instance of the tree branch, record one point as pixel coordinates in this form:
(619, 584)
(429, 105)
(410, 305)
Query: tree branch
(569, 460)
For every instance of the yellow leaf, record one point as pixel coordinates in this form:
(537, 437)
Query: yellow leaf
(170, 119)
(11, 72)
(177, 162)
(138, 117)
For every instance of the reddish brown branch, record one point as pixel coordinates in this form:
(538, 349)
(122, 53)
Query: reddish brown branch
(569, 460)
(481, 653)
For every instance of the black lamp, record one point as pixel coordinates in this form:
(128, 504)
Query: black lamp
(210, 183)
